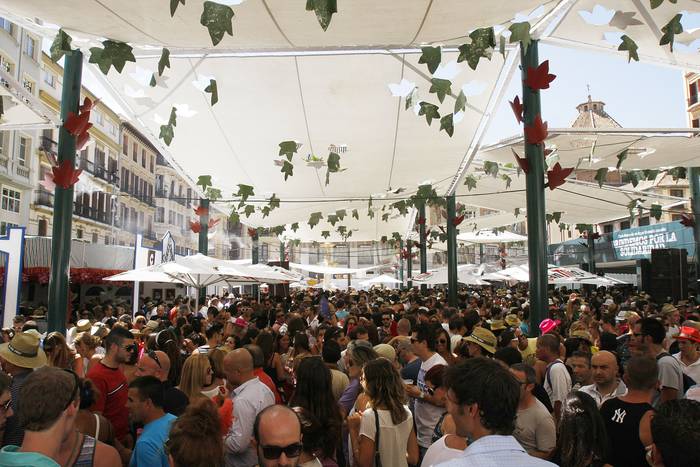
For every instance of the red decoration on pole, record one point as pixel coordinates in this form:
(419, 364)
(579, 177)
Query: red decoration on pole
(78, 125)
(517, 109)
(557, 176)
(252, 233)
(539, 78)
(212, 223)
(195, 226)
(537, 132)
(65, 175)
(522, 162)
(458, 220)
(421, 221)
(201, 211)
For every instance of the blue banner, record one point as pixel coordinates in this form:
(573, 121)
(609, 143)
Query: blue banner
(637, 243)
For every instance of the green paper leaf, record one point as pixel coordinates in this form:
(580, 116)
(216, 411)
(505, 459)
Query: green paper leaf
(651, 174)
(295, 227)
(631, 47)
(249, 209)
(429, 110)
(296, 242)
(369, 202)
(656, 3)
(343, 231)
(396, 236)
(217, 18)
(167, 133)
(401, 207)
(584, 227)
(314, 218)
(265, 211)
(506, 178)
(520, 32)
(516, 212)
(234, 217)
(341, 213)
(383, 239)
(164, 61)
(204, 181)
(556, 216)
(672, 28)
(431, 56)
(325, 234)
(385, 217)
(274, 202)
(153, 83)
(655, 211)
(470, 182)
(288, 149)
(441, 87)
(332, 165)
(447, 124)
(355, 214)
(411, 98)
(173, 6)
(324, 11)
(287, 170)
(277, 230)
(370, 213)
(621, 158)
(632, 208)
(600, 176)
(460, 102)
(677, 173)
(172, 120)
(244, 192)
(483, 41)
(114, 54)
(61, 45)
(491, 168)
(213, 89)
(213, 194)
(634, 176)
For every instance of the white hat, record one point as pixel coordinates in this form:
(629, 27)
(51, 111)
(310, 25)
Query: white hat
(609, 302)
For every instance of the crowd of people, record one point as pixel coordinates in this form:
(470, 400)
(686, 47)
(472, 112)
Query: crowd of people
(358, 378)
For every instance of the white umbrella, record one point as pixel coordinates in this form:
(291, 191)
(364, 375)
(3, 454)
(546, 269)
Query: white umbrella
(383, 279)
(440, 276)
(488, 236)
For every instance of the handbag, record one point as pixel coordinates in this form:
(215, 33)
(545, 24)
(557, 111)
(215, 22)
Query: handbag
(377, 456)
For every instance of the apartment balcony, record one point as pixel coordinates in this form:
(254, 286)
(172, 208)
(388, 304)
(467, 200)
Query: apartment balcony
(45, 198)
(99, 171)
(150, 235)
(161, 193)
(4, 163)
(49, 146)
(692, 100)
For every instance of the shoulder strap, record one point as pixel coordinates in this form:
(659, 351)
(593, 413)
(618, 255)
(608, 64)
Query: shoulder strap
(377, 455)
(97, 426)
(549, 367)
(87, 452)
(662, 355)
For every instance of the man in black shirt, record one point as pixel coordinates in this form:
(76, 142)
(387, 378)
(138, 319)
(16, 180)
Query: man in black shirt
(628, 417)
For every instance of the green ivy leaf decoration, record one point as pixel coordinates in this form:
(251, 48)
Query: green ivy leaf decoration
(332, 219)
(325, 234)
(332, 165)
(431, 56)
(114, 54)
(620, 159)
(244, 192)
(651, 174)
(287, 170)
(61, 45)
(470, 182)
(295, 227)
(265, 211)
(324, 11)
(370, 213)
(631, 47)
(153, 82)
(506, 178)
(204, 181)
(385, 217)
(249, 209)
(167, 132)
(483, 41)
(672, 28)
(213, 89)
(173, 6)
(429, 110)
(234, 217)
(277, 230)
(396, 236)
(441, 87)
(273, 202)
(355, 214)
(343, 231)
(491, 168)
(584, 227)
(411, 98)
(447, 124)
(288, 149)
(634, 176)
(520, 32)
(655, 211)
(460, 102)
(217, 18)
(164, 61)
(401, 207)
(213, 194)
(677, 173)
(341, 213)
(656, 3)
(314, 218)
(556, 216)
(600, 176)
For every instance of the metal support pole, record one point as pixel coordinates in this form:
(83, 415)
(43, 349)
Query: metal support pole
(59, 286)
(409, 265)
(203, 236)
(694, 182)
(481, 253)
(254, 260)
(423, 246)
(401, 276)
(534, 182)
(349, 275)
(451, 252)
(591, 252)
(281, 252)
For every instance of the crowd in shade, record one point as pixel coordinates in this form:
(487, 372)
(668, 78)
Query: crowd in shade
(358, 378)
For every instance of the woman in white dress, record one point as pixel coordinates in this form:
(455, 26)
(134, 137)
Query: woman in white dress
(398, 445)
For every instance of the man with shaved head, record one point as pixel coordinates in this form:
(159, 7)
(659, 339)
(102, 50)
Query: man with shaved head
(157, 363)
(250, 397)
(606, 384)
(277, 432)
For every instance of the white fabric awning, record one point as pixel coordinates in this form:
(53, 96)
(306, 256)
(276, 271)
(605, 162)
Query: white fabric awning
(383, 279)
(321, 269)
(487, 237)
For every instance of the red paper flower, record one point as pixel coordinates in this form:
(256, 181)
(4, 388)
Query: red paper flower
(539, 78)
(537, 132)
(522, 162)
(87, 105)
(201, 211)
(77, 124)
(421, 221)
(557, 176)
(252, 233)
(81, 140)
(65, 175)
(212, 223)
(457, 220)
(517, 109)
(195, 226)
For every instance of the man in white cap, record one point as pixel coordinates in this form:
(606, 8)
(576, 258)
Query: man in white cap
(18, 358)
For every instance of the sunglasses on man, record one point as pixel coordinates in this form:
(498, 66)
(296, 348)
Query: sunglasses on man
(274, 452)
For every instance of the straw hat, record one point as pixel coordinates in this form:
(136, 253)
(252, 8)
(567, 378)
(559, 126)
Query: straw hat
(83, 325)
(23, 351)
(483, 338)
(512, 320)
(386, 351)
(497, 325)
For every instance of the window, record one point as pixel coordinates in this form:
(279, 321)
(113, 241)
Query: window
(153, 161)
(5, 227)
(28, 85)
(3, 143)
(643, 221)
(678, 193)
(79, 233)
(135, 152)
(607, 228)
(107, 240)
(143, 158)
(94, 237)
(160, 214)
(695, 123)
(125, 144)
(693, 93)
(7, 26)
(30, 46)
(43, 228)
(24, 145)
(49, 78)
(624, 225)
(10, 200)
(171, 217)
(97, 117)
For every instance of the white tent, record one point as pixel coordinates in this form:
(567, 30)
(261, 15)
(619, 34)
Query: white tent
(440, 276)
(486, 236)
(383, 279)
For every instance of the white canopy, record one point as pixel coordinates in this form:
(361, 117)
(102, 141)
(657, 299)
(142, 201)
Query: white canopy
(490, 237)
(324, 269)
(383, 279)
(439, 276)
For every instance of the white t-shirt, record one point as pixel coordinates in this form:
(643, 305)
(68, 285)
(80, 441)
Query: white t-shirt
(692, 370)
(393, 439)
(670, 376)
(439, 452)
(557, 381)
(427, 415)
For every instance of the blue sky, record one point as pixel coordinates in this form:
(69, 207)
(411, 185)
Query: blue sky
(636, 95)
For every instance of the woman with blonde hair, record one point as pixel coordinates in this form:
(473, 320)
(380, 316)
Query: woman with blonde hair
(385, 428)
(197, 374)
(85, 347)
(58, 353)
